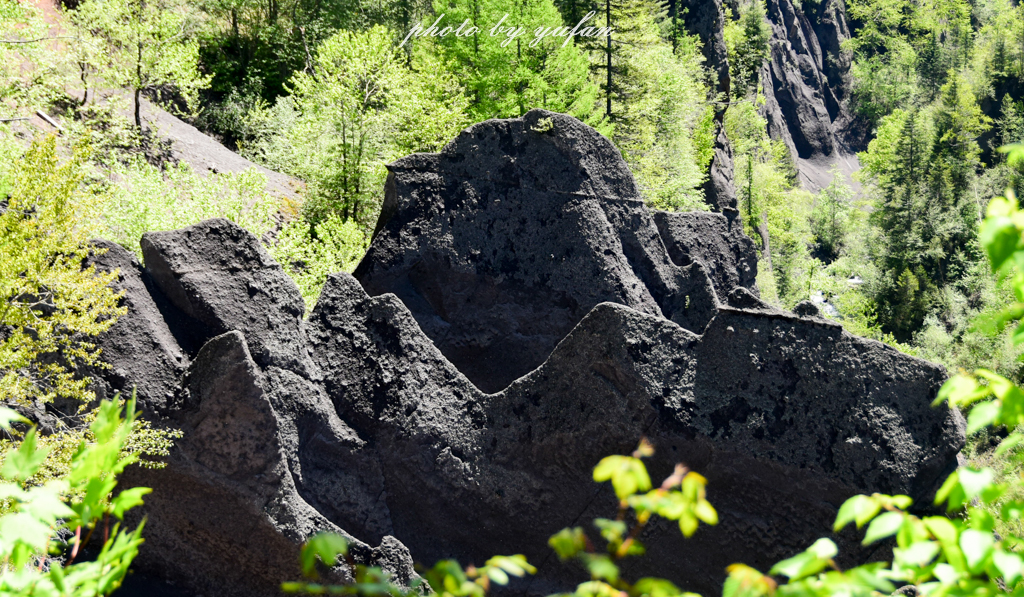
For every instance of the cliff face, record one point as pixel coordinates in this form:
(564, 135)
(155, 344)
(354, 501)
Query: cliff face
(806, 83)
(519, 316)
(807, 88)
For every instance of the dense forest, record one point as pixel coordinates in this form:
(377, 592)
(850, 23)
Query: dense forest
(329, 92)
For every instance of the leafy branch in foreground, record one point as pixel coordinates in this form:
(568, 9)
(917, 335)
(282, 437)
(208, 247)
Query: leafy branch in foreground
(45, 526)
(681, 497)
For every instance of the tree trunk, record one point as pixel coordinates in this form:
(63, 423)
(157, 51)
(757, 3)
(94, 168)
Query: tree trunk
(766, 247)
(138, 115)
(85, 83)
(608, 51)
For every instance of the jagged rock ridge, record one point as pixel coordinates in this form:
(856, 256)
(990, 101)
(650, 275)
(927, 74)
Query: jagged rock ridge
(355, 420)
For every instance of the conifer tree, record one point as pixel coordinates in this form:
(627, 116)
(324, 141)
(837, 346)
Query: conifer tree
(750, 50)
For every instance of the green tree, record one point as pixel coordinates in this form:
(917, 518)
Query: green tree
(506, 76)
(31, 74)
(921, 167)
(48, 303)
(140, 45)
(829, 217)
(360, 108)
(895, 165)
(954, 212)
(665, 129)
(655, 101)
(747, 42)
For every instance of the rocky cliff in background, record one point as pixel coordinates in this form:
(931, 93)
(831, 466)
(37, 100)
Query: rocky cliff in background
(520, 315)
(806, 84)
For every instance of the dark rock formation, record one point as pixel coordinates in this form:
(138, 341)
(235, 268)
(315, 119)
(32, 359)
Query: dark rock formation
(717, 242)
(706, 19)
(719, 190)
(807, 88)
(767, 404)
(195, 272)
(502, 242)
(357, 420)
(147, 352)
(806, 85)
(226, 514)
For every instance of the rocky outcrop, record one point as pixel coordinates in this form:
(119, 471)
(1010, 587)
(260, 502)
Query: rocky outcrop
(357, 420)
(806, 84)
(150, 344)
(502, 242)
(227, 514)
(719, 190)
(717, 242)
(706, 20)
(194, 271)
(807, 87)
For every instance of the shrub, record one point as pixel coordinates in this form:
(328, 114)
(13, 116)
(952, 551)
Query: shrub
(144, 198)
(50, 304)
(309, 253)
(45, 526)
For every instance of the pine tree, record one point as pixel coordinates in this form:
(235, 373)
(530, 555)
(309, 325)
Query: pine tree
(896, 161)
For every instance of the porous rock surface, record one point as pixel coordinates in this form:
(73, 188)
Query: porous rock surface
(717, 242)
(357, 420)
(504, 240)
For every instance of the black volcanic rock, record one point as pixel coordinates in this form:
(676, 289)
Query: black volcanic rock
(357, 421)
(146, 351)
(502, 242)
(807, 87)
(791, 410)
(225, 515)
(717, 242)
(800, 103)
(243, 289)
(719, 190)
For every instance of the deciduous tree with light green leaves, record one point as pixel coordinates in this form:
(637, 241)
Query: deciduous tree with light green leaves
(139, 45)
(51, 305)
(48, 303)
(508, 76)
(359, 107)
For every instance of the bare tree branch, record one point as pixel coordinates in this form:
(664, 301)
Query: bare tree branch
(32, 41)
